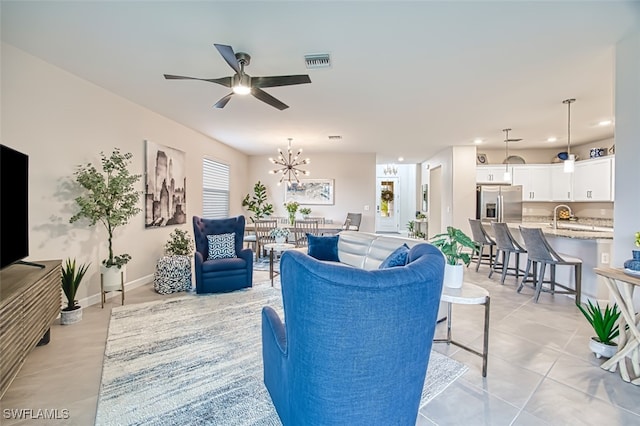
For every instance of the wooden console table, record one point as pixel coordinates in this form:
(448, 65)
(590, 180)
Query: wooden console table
(621, 287)
(30, 300)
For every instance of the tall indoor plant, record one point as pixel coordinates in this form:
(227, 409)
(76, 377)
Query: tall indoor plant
(258, 203)
(72, 275)
(109, 198)
(452, 245)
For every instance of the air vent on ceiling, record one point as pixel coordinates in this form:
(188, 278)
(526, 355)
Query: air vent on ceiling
(335, 137)
(317, 60)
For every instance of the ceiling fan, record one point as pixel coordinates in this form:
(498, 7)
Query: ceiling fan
(243, 84)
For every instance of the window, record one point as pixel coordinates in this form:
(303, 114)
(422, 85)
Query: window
(215, 189)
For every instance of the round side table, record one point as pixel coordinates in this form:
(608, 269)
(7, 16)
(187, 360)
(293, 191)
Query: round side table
(273, 249)
(468, 294)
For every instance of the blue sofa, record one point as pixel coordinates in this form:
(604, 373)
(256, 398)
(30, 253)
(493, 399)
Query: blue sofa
(356, 343)
(221, 275)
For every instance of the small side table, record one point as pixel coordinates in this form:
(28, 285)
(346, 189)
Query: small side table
(173, 273)
(621, 286)
(276, 248)
(468, 294)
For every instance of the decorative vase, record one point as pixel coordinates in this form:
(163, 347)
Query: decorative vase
(633, 264)
(453, 275)
(70, 317)
(112, 279)
(602, 350)
(280, 240)
(292, 218)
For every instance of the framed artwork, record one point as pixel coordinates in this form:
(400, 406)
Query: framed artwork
(310, 191)
(165, 198)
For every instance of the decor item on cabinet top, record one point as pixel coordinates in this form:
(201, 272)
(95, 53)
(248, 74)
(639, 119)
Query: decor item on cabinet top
(481, 159)
(452, 244)
(597, 152)
(605, 325)
(258, 203)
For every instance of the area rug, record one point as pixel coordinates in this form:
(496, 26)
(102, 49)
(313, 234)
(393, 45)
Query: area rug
(197, 359)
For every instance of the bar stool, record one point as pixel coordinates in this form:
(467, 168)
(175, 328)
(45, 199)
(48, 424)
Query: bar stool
(482, 239)
(506, 244)
(540, 252)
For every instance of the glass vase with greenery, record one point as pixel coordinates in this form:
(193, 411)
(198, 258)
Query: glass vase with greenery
(292, 208)
(109, 197)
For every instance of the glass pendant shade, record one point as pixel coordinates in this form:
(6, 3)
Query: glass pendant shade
(569, 164)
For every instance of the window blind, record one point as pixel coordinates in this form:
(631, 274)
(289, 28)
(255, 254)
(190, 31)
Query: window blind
(215, 189)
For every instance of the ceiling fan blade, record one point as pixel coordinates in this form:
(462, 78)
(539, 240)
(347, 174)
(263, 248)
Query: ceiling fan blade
(229, 55)
(281, 80)
(267, 98)
(225, 81)
(222, 102)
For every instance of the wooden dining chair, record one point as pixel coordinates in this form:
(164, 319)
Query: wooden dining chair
(300, 230)
(263, 229)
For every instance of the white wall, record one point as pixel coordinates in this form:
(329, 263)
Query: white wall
(627, 112)
(458, 192)
(61, 121)
(354, 179)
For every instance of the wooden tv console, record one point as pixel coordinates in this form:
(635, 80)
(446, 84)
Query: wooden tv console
(30, 299)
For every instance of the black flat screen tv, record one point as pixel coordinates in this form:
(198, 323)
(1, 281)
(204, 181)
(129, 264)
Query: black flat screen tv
(14, 206)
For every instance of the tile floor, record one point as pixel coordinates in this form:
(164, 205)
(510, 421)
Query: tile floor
(540, 369)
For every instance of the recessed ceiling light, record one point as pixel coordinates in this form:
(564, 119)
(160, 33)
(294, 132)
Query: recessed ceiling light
(552, 139)
(400, 158)
(477, 141)
(604, 123)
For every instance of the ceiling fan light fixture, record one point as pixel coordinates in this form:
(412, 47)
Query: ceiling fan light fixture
(241, 84)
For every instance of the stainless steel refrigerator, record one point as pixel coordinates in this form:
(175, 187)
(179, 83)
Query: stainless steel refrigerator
(499, 203)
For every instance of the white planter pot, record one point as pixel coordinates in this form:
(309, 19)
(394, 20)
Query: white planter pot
(70, 317)
(111, 278)
(602, 350)
(281, 240)
(453, 276)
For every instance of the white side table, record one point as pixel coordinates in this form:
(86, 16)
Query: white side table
(468, 294)
(276, 248)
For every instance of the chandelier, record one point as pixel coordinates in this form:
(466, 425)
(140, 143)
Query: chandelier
(290, 164)
(390, 170)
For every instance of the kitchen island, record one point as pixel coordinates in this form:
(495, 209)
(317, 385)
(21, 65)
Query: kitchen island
(592, 244)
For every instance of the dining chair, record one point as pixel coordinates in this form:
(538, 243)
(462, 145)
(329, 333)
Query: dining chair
(482, 240)
(352, 222)
(263, 229)
(300, 230)
(541, 253)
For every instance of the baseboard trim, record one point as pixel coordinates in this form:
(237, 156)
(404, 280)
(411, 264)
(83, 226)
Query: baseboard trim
(95, 298)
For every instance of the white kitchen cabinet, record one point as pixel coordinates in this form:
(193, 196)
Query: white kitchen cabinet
(491, 174)
(535, 181)
(561, 183)
(592, 180)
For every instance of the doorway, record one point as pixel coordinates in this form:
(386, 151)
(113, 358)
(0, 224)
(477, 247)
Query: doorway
(435, 201)
(387, 205)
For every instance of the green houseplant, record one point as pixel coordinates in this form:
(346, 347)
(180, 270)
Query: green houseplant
(72, 276)
(257, 203)
(305, 212)
(109, 198)
(452, 245)
(605, 325)
(179, 244)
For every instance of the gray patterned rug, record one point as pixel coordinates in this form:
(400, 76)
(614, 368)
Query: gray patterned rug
(198, 360)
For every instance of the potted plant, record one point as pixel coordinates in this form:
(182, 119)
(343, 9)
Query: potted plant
(280, 234)
(111, 199)
(257, 203)
(71, 278)
(305, 212)
(292, 208)
(452, 245)
(605, 324)
(179, 244)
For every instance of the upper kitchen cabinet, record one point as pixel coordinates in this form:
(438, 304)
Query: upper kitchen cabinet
(492, 174)
(561, 183)
(592, 180)
(535, 181)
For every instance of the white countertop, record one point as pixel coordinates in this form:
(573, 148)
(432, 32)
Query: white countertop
(577, 231)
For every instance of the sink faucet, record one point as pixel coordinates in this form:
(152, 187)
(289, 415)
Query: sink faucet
(555, 214)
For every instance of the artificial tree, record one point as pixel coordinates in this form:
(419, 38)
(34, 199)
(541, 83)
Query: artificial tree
(257, 203)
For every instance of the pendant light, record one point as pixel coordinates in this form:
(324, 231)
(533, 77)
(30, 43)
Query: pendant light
(569, 163)
(507, 173)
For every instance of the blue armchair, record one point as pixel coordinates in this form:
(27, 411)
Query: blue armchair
(227, 273)
(356, 344)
